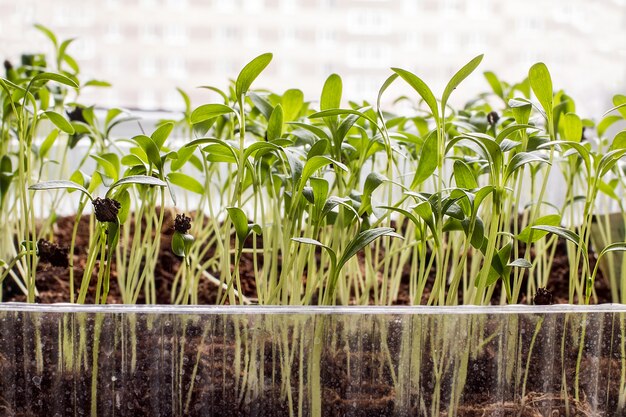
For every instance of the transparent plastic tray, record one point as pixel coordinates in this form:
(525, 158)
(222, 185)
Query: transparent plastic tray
(69, 360)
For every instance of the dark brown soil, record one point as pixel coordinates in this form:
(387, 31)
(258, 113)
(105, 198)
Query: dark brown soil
(376, 396)
(53, 282)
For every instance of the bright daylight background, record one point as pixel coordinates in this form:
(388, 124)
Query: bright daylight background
(147, 48)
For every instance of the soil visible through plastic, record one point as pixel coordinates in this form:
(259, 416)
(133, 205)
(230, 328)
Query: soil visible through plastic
(376, 398)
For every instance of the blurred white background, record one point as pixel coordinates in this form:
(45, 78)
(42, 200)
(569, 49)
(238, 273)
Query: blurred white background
(147, 48)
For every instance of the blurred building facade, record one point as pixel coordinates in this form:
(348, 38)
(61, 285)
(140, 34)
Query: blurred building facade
(146, 48)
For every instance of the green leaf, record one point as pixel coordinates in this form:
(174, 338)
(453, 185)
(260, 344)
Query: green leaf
(607, 122)
(619, 141)
(463, 176)
(50, 76)
(341, 112)
(250, 72)
(520, 159)
(316, 163)
(521, 111)
(292, 102)
(561, 232)
(262, 103)
(49, 34)
(150, 148)
(384, 87)
(427, 163)
(541, 84)
(275, 124)
(551, 220)
(613, 247)
(184, 154)
(331, 93)
(123, 197)
(97, 83)
(59, 184)
(308, 241)
(181, 243)
(113, 235)
(458, 78)
(372, 182)
(160, 135)
(319, 148)
(208, 112)
(139, 179)
(48, 142)
(59, 121)
(362, 240)
(185, 181)
(110, 170)
(422, 89)
(495, 83)
(572, 127)
(609, 160)
(509, 130)
(240, 221)
(320, 189)
(619, 101)
(608, 190)
(520, 263)
(178, 244)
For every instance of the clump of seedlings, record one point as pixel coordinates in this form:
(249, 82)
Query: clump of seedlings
(328, 202)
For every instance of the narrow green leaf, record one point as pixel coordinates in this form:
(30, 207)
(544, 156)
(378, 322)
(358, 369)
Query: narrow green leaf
(607, 122)
(422, 89)
(150, 148)
(427, 163)
(262, 104)
(160, 135)
(572, 127)
(613, 247)
(495, 83)
(48, 142)
(331, 93)
(97, 83)
(275, 124)
(59, 184)
(208, 112)
(123, 197)
(49, 34)
(520, 263)
(548, 220)
(619, 101)
(292, 102)
(362, 240)
(109, 168)
(609, 160)
(316, 163)
(561, 232)
(250, 72)
(240, 221)
(463, 176)
(520, 159)
(139, 179)
(458, 78)
(50, 76)
(186, 182)
(59, 121)
(509, 130)
(308, 241)
(541, 84)
(619, 141)
(384, 87)
(320, 189)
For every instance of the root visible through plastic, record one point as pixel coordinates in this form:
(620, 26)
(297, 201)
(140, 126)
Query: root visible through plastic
(533, 405)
